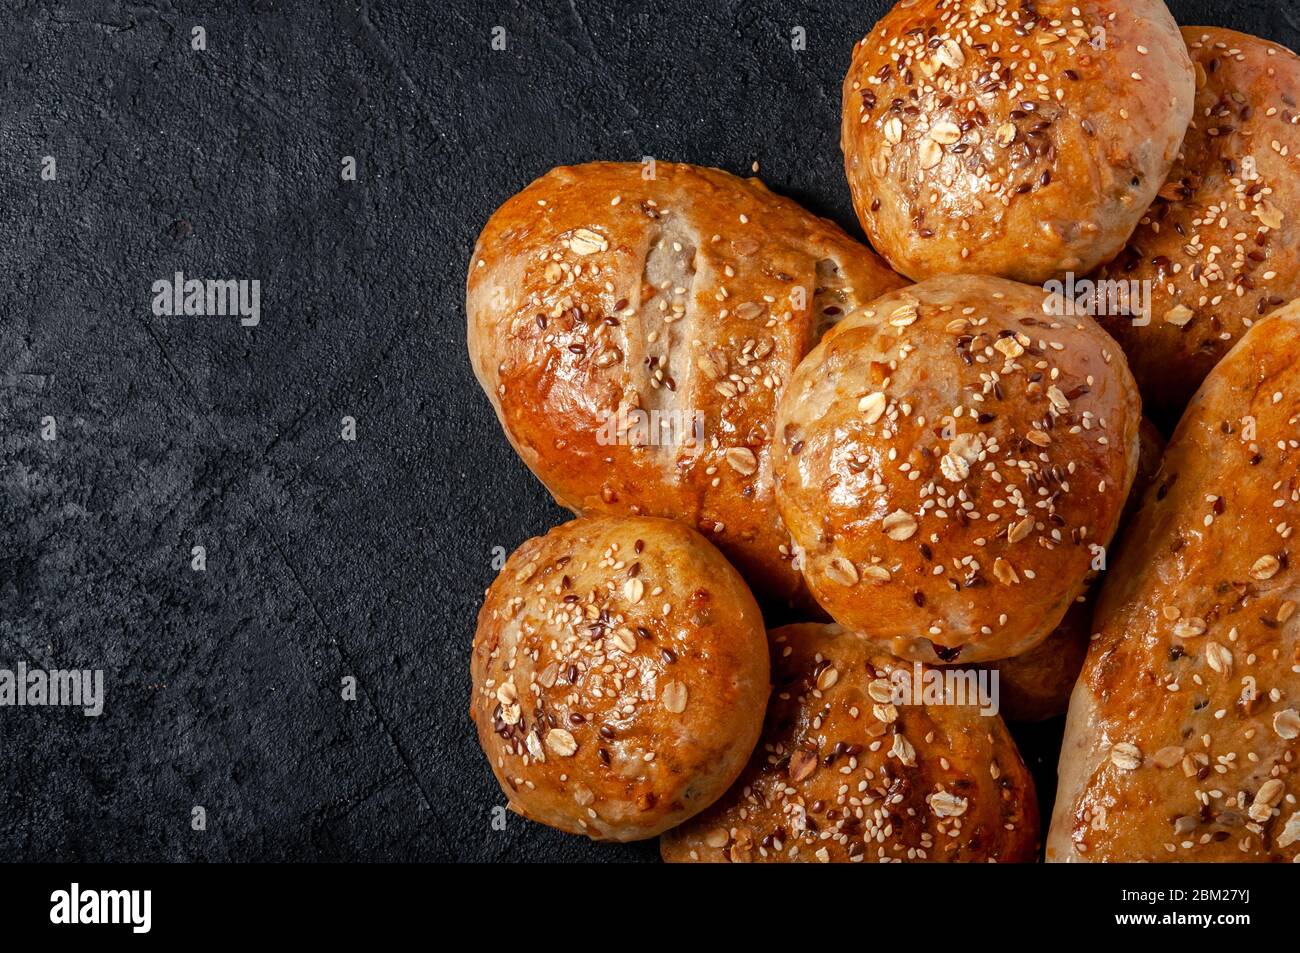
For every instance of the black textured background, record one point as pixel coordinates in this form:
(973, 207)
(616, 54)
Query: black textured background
(325, 558)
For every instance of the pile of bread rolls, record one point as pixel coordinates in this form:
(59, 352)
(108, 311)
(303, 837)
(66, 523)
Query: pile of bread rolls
(930, 453)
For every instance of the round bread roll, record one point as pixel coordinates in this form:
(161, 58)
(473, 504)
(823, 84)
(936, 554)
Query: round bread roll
(1036, 685)
(633, 325)
(1012, 138)
(1220, 246)
(844, 774)
(949, 460)
(620, 672)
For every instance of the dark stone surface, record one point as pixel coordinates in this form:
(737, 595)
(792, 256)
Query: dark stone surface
(325, 558)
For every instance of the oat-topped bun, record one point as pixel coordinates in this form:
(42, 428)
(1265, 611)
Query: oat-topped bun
(1009, 137)
(1221, 244)
(843, 774)
(947, 459)
(1183, 738)
(620, 672)
(608, 309)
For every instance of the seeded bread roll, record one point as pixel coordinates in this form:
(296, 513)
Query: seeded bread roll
(948, 458)
(1012, 138)
(620, 672)
(1220, 245)
(843, 774)
(604, 305)
(1036, 685)
(1181, 741)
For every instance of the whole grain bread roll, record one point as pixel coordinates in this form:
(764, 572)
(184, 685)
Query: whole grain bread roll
(1009, 137)
(1036, 685)
(948, 460)
(633, 326)
(1220, 246)
(1181, 740)
(844, 774)
(620, 672)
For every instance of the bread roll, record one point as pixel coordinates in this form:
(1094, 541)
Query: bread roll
(1221, 244)
(1013, 139)
(1180, 744)
(843, 774)
(1036, 685)
(948, 458)
(633, 334)
(620, 673)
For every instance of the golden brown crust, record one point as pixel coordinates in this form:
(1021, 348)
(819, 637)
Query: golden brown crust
(620, 672)
(1036, 685)
(1220, 244)
(1181, 738)
(946, 461)
(1010, 137)
(843, 774)
(595, 293)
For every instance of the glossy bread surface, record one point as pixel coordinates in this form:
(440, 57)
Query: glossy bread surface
(1220, 244)
(620, 673)
(1009, 137)
(609, 311)
(842, 774)
(1036, 685)
(948, 458)
(1180, 743)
